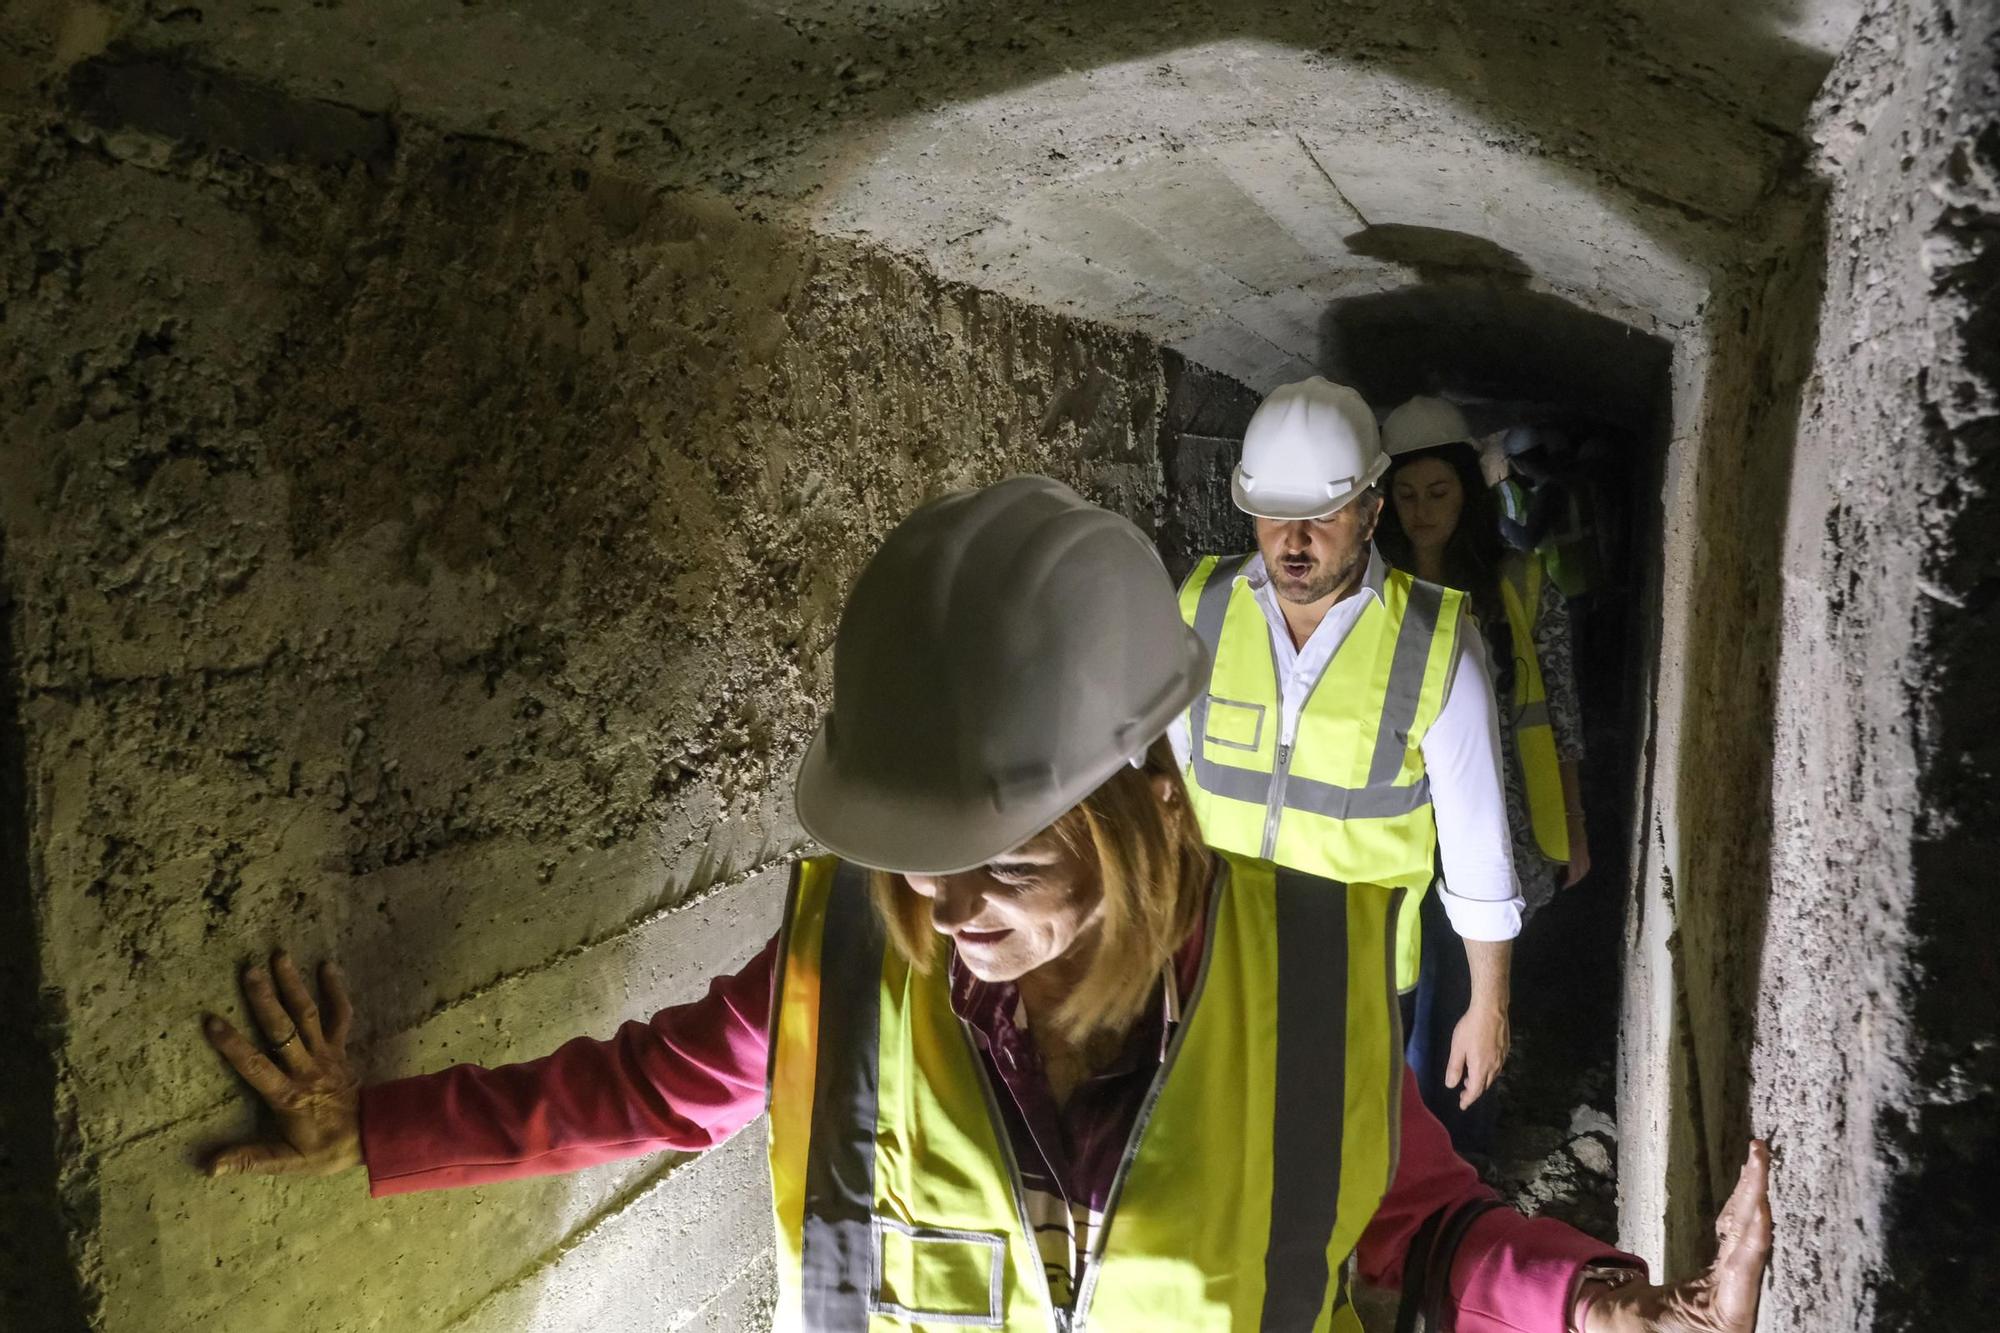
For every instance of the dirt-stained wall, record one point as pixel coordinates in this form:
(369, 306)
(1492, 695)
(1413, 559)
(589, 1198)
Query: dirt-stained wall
(1702, 847)
(427, 554)
(1875, 1050)
(1808, 958)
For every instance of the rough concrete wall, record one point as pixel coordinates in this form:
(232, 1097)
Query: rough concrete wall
(1214, 171)
(1702, 852)
(1201, 439)
(34, 1270)
(1880, 1007)
(1806, 958)
(426, 553)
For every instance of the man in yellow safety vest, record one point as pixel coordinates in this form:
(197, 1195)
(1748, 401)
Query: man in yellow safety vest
(1348, 729)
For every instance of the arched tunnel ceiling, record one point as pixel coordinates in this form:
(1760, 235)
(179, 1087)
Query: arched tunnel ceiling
(1215, 174)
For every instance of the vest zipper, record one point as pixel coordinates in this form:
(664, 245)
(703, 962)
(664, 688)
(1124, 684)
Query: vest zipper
(1276, 806)
(1080, 1315)
(1059, 1319)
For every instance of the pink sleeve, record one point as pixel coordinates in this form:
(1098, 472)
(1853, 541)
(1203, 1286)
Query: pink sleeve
(1512, 1274)
(687, 1079)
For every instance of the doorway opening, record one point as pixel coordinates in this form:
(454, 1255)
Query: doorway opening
(1578, 406)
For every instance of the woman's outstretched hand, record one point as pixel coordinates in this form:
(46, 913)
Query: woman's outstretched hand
(1722, 1300)
(302, 1073)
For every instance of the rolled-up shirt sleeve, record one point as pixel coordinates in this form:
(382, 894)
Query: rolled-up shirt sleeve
(686, 1079)
(1462, 757)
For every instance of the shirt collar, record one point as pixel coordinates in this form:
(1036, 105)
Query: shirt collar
(1258, 576)
(989, 1008)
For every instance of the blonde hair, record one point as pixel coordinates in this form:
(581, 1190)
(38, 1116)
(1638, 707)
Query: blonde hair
(1153, 869)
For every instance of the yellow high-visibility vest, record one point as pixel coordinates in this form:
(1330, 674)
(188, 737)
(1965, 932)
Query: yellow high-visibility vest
(1534, 739)
(1348, 798)
(1266, 1145)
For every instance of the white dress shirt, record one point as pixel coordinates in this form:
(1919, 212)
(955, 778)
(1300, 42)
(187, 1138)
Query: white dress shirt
(1461, 753)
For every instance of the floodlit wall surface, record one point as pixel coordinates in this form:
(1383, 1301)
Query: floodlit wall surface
(427, 554)
(1875, 1058)
(1807, 953)
(1692, 961)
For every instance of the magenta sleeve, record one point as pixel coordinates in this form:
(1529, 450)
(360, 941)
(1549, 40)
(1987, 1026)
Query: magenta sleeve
(1517, 1274)
(1511, 1274)
(686, 1079)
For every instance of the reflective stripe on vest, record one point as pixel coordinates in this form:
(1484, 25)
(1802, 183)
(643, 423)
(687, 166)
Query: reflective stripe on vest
(837, 1240)
(1363, 722)
(1381, 798)
(1534, 737)
(897, 1198)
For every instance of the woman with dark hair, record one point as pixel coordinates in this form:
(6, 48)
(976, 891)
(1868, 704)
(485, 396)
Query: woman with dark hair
(1442, 525)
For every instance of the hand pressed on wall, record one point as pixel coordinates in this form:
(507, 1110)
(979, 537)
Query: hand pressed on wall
(302, 1073)
(1479, 1046)
(1721, 1300)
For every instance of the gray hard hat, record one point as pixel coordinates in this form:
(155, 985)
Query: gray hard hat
(999, 658)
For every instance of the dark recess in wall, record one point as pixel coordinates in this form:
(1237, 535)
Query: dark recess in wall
(37, 1280)
(205, 108)
(1201, 433)
(1485, 337)
(1472, 331)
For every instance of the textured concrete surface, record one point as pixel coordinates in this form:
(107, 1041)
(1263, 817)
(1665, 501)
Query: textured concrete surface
(1703, 843)
(1807, 959)
(438, 443)
(1215, 173)
(429, 557)
(1878, 1007)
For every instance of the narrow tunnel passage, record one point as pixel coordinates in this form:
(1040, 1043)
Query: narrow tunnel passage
(438, 454)
(1599, 392)
(1592, 397)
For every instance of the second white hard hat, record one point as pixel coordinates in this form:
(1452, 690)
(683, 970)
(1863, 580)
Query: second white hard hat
(1424, 423)
(1309, 448)
(1003, 653)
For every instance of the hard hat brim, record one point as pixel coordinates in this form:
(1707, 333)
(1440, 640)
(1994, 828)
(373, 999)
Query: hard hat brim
(918, 832)
(1419, 445)
(1296, 508)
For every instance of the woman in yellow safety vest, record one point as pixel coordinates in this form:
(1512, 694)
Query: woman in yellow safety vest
(1034, 1058)
(1441, 525)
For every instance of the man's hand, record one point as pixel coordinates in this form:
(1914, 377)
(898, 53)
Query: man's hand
(1722, 1300)
(302, 1073)
(1579, 850)
(1579, 833)
(1478, 1049)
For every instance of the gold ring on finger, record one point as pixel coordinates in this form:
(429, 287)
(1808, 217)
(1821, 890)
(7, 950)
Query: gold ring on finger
(289, 1039)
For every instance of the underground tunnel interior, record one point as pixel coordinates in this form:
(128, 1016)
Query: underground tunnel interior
(439, 446)
(1469, 330)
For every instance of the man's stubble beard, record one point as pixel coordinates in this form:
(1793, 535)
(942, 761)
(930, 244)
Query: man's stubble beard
(1329, 584)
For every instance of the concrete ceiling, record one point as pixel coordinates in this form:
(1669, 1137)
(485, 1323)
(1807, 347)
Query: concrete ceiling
(1220, 175)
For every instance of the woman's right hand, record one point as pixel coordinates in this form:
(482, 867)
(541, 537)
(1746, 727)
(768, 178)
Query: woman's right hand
(302, 1074)
(1721, 1300)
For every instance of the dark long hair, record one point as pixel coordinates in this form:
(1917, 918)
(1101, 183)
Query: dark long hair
(1472, 555)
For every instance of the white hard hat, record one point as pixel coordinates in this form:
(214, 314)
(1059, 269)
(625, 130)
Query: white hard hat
(1309, 449)
(1424, 423)
(1003, 653)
